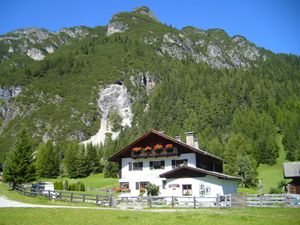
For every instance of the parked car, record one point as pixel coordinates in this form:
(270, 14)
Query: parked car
(45, 188)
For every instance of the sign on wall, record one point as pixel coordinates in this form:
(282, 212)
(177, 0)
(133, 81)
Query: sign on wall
(204, 190)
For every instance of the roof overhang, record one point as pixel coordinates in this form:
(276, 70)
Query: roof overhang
(125, 151)
(186, 171)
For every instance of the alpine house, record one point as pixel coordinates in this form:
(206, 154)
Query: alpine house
(179, 169)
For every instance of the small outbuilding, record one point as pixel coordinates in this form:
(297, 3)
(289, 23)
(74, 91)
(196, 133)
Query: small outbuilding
(291, 170)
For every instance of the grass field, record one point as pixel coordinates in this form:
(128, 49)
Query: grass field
(272, 175)
(92, 181)
(263, 216)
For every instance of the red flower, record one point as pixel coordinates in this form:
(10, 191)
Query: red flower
(158, 146)
(147, 148)
(136, 149)
(168, 146)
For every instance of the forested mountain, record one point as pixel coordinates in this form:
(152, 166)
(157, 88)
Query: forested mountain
(138, 73)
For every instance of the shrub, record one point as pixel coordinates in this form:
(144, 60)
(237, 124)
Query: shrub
(58, 185)
(80, 186)
(152, 189)
(66, 185)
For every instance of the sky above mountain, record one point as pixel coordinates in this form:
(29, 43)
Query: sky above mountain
(272, 24)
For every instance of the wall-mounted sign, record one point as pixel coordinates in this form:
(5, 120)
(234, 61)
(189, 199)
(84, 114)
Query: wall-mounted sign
(173, 185)
(204, 190)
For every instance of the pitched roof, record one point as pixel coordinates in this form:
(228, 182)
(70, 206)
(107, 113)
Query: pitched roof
(291, 169)
(186, 171)
(122, 152)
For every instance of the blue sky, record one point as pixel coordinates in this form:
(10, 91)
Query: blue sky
(272, 24)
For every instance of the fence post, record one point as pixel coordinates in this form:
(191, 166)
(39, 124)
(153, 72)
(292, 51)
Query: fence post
(60, 193)
(195, 205)
(149, 201)
(218, 200)
(260, 192)
(111, 200)
(102, 200)
(173, 203)
(71, 197)
(83, 197)
(97, 199)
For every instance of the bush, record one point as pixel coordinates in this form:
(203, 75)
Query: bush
(79, 186)
(72, 187)
(275, 190)
(152, 189)
(66, 185)
(58, 185)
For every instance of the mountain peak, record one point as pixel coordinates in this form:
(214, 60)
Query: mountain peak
(144, 10)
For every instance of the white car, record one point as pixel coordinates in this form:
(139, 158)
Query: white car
(45, 188)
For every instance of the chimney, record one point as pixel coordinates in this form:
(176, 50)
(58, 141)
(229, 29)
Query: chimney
(196, 143)
(190, 138)
(178, 138)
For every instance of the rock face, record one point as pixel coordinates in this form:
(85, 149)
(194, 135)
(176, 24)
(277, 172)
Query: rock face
(7, 93)
(8, 110)
(116, 98)
(38, 42)
(145, 80)
(214, 47)
(116, 27)
(35, 54)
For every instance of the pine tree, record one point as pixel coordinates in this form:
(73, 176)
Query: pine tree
(70, 159)
(245, 168)
(19, 166)
(81, 164)
(47, 161)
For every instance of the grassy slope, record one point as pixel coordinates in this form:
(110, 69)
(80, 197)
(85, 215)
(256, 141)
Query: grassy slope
(247, 216)
(272, 175)
(92, 181)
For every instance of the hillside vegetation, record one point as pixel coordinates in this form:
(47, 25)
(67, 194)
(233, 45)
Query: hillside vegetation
(235, 96)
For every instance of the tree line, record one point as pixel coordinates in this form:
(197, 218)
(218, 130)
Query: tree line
(25, 164)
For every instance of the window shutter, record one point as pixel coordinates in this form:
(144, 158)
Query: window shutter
(151, 165)
(162, 164)
(173, 164)
(130, 166)
(137, 185)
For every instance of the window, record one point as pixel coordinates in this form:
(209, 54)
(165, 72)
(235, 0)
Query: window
(124, 185)
(141, 185)
(157, 165)
(137, 166)
(178, 163)
(186, 189)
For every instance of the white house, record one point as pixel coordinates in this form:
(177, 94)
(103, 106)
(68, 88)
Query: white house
(179, 169)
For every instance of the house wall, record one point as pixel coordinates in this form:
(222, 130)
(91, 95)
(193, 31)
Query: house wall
(147, 175)
(215, 185)
(210, 186)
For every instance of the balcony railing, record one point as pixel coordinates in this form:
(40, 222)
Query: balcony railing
(154, 153)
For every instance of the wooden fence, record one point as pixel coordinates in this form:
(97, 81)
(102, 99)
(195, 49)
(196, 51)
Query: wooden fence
(226, 201)
(273, 200)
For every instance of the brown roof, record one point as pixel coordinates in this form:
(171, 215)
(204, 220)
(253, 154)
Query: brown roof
(186, 171)
(125, 152)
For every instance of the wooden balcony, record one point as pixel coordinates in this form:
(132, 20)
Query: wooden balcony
(155, 153)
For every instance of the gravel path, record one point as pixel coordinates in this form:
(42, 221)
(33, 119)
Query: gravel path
(6, 203)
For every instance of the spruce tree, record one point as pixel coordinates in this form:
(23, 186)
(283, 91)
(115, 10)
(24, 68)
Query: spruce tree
(19, 166)
(47, 161)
